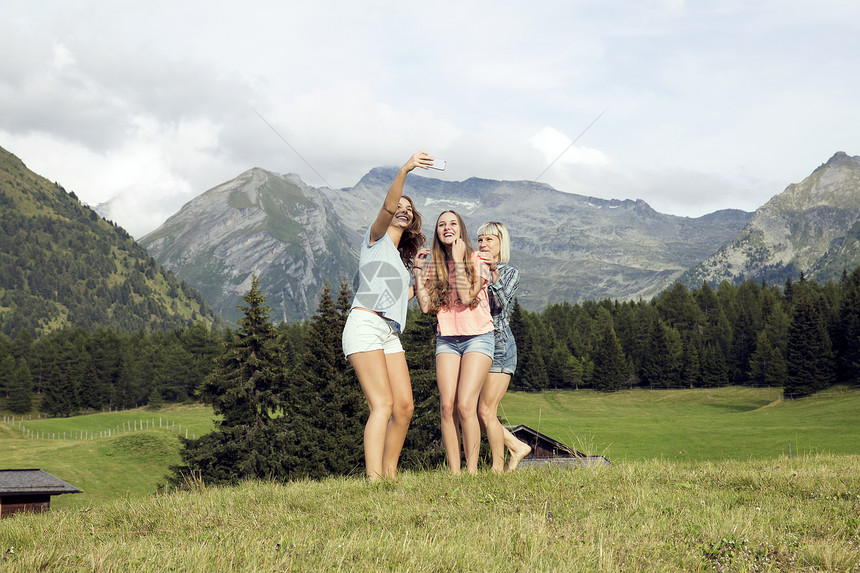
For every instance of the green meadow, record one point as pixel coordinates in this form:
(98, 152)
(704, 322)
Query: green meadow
(734, 423)
(108, 455)
(700, 425)
(701, 480)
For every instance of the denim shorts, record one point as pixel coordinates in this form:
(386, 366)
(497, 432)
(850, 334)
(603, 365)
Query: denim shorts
(482, 343)
(505, 356)
(365, 331)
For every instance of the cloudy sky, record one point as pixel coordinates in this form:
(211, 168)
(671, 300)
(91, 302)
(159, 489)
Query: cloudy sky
(706, 104)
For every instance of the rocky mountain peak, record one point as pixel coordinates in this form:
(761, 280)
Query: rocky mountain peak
(840, 158)
(810, 227)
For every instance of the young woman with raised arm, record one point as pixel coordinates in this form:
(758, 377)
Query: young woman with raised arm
(494, 244)
(455, 288)
(371, 337)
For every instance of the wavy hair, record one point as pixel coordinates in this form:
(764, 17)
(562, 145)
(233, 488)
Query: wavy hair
(439, 288)
(412, 238)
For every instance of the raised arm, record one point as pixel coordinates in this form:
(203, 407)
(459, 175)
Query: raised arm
(389, 205)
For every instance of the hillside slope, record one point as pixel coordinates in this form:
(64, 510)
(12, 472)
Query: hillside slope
(61, 265)
(261, 223)
(812, 227)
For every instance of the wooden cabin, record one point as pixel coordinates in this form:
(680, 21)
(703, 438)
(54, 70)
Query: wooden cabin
(545, 450)
(29, 490)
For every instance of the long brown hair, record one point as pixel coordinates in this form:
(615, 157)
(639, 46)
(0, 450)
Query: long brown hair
(412, 238)
(439, 288)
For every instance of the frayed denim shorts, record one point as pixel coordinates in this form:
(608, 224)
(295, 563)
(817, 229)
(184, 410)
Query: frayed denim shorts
(365, 331)
(505, 355)
(483, 343)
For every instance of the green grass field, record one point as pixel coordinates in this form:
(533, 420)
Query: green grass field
(798, 514)
(702, 425)
(131, 463)
(682, 425)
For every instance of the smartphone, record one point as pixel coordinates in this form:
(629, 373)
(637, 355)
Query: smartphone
(439, 164)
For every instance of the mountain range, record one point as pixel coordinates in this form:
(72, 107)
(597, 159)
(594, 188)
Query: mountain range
(61, 264)
(297, 238)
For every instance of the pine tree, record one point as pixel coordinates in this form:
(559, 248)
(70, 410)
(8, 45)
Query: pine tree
(767, 366)
(661, 366)
(423, 446)
(809, 363)
(846, 343)
(244, 388)
(20, 389)
(334, 405)
(712, 366)
(610, 365)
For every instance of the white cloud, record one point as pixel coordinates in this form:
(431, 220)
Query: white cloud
(710, 105)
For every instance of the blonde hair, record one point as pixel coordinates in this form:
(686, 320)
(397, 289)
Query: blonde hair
(498, 230)
(439, 289)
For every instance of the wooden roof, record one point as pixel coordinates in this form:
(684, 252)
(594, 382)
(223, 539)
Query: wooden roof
(30, 482)
(552, 449)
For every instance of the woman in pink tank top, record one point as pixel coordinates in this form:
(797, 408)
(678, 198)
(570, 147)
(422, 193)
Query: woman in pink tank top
(455, 288)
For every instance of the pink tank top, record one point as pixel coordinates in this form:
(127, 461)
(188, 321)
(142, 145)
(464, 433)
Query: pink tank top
(457, 319)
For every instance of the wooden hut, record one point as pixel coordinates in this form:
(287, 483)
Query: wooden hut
(29, 490)
(545, 450)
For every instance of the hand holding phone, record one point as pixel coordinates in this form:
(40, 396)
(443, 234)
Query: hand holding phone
(438, 164)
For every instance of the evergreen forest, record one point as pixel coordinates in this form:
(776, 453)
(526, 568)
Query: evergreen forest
(290, 405)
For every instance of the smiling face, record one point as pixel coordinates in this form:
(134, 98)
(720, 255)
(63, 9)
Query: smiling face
(490, 244)
(448, 228)
(404, 215)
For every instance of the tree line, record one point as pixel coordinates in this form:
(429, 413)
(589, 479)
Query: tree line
(291, 406)
(803, 337)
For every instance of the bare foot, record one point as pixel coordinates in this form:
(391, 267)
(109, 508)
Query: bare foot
(517, 456)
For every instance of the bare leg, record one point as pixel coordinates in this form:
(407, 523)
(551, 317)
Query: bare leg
(401, 413)
(494, 389)
(372, 370)
(473, 371)
(519, 449)
(447, 373)
(497, 435)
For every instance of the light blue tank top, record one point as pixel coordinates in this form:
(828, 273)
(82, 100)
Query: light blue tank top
(382, 281)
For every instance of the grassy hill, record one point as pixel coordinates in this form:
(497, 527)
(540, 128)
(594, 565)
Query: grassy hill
(130, 463)
(703, 424)
(62, 265)
(698, 425)
(783, 515)
(700, 481)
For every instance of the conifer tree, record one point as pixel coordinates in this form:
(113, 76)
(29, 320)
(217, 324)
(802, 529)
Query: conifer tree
(244, 388)
(20, 389)
(767, 365)
(333, 404)
(691, 368)
(712, 366)
(610, 365)
(423, 447)
(846, 344)
(661, 366)
(809, 363)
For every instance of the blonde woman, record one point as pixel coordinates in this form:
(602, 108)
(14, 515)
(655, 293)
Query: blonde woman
(455, 288)
(494, 244)
(371, 336)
